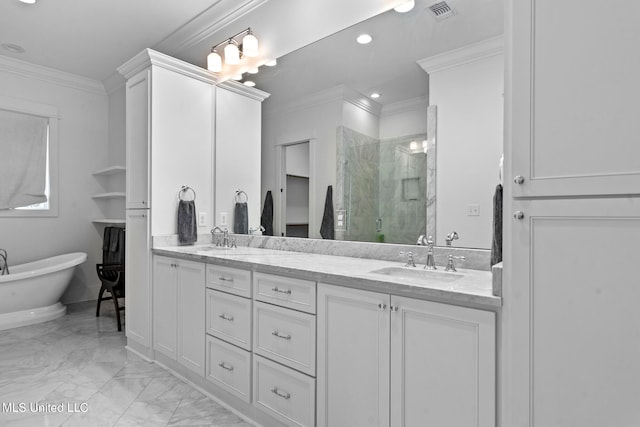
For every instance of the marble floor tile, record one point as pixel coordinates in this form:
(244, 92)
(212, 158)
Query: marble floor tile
(75, 371)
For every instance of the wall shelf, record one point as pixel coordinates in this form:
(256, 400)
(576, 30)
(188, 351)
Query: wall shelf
(111, 195)
(114, 221)
(111, 170)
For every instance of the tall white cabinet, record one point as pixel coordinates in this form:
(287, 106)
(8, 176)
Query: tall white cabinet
(170, 139)
(571, 340)
(182, 130)
(386, 360)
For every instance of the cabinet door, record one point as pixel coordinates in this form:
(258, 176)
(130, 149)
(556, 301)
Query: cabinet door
(138, 295)
(165, 293)
(353, 357)
(570, 321)
(137, 135)
(574, 98)
(191, 315)
(442, 365)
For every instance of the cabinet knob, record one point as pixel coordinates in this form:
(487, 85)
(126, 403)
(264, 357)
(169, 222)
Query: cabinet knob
(382, 306)
(518, 215)
(519, 179)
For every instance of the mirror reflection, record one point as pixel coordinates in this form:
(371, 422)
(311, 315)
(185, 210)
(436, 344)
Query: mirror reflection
(408, 139)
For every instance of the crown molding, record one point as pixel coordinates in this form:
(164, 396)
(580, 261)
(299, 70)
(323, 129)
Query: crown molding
(149, 57)
(405, 105)
(339, 93)
(206, 24)
(464, 55)
(50, 75)
(244, 90)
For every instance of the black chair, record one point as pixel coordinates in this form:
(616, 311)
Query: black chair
(112, 270)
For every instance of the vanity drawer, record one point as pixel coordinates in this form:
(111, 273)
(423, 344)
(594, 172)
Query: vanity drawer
(298, 294)
(229, 318)
(284, 393)
(229, 279)
(286, 336)
(229, 367)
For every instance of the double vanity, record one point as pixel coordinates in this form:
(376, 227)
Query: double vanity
(303, 339)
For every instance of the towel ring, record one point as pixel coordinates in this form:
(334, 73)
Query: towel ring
(239, 194)
(183, 190)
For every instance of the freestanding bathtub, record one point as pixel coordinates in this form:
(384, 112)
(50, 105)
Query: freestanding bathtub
(31, 292)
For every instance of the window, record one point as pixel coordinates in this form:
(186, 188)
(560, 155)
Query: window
(28, 166)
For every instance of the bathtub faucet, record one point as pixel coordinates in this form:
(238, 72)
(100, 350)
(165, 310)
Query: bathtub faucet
(4, 269)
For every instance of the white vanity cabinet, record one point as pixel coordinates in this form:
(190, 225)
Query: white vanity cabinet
(284, 331)
(228, 329)
(389, 360)
(179, 311)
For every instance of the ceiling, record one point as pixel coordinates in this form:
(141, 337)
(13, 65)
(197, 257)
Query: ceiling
(91, 38)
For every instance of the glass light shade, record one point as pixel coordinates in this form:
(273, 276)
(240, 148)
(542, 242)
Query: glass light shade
(413, 145)
(231, 54)
(271, 63)
(250, 45)
(425, 143)
(405, 7)
(214, 62)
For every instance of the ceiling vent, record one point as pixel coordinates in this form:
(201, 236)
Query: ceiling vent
(441, 10)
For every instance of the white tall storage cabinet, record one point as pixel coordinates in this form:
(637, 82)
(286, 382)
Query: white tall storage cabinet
(170, 137)
(571, 340)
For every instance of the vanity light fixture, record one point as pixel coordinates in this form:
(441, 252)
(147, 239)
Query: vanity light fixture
(233, 51)
(253, 70)
(364, 39)
(271, 63)
(413, 145)
(405, 7)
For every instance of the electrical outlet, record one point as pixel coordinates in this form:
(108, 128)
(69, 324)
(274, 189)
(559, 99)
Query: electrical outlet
(202, 219)
(473, 210)
(223, 218)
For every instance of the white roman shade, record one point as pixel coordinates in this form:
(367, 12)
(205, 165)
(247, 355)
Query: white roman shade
(23, 157)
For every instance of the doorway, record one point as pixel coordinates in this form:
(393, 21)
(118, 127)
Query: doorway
(295, 190)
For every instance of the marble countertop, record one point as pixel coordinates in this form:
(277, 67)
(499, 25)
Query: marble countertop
(466, 287)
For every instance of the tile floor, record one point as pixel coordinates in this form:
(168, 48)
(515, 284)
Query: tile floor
(75, 371)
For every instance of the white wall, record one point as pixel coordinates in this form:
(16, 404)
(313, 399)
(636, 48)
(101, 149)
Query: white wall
(469, 98)
(83, 109)
(318, 123)
(411, 120)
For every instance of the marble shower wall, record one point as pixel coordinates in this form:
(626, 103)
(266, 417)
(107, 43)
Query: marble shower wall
(382, 184)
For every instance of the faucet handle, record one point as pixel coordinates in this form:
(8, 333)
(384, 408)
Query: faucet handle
(410, 261)
(450, 262)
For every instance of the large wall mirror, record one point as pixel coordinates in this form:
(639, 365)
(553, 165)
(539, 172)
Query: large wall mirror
(421, 158)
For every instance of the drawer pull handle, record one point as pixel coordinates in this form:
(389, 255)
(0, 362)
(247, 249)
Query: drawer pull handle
(225, 317)
(279, 335)
(282, 394)
(285, 291)
(225, 366)
(225, 279)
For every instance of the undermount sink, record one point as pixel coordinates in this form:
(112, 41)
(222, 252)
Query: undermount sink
(418, 273)
(214, 248)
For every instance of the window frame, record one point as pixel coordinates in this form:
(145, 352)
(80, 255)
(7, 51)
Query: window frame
(50, 113)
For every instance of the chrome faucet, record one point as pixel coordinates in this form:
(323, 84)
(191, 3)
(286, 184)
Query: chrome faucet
(225, 236)
(410, 261)
(450, 265)
(431, 263)
(4, 269)
(451, 237)
(422, 240)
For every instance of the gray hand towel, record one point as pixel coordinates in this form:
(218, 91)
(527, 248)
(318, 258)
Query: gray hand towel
(241, 218)
(187, 226)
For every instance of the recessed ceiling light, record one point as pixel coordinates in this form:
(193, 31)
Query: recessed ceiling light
(405, 7)
(271, 63)
(13, 48)
(249, 83)
(364, 39)
(28, 1)
(375, 95)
